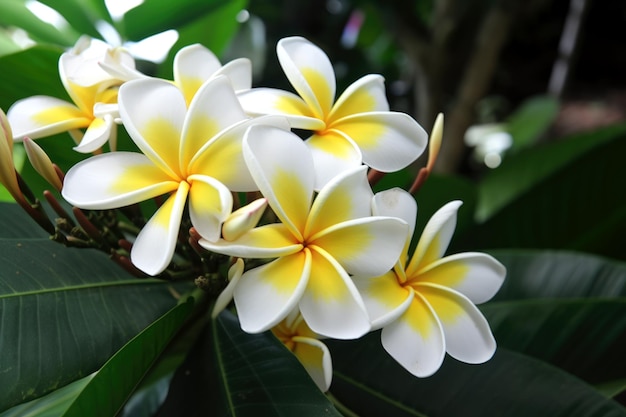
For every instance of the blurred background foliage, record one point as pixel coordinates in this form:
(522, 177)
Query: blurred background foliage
(534, 96)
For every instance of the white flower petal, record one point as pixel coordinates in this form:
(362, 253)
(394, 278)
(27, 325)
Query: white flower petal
(348, 196)
(396, 202)
(477, 276)
(213, 109)
(385, 299)
(260, 101)
(416, 340)
(40, 116)
(365, 95)
(468, 336)
(331, 304)
(226, 296)
(332, 154)
(193, 65)
(435, 237)
(154, 247)
(239, 72)
(114, 180)
(268, 241)
(315, 357)
(389, 141)
(309, 71)
(210, 203)
(368, 246)
(282, 168)
(153, 112)
(265, 295)
(97, 134)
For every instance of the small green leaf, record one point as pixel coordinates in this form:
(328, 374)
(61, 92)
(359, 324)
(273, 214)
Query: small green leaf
(531, 120)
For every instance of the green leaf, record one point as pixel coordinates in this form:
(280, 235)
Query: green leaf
(50, 405)
(232, 373)
(370, 383)
(155, 16)
(107, 392)
(531, 120)
(81, 14)
(15, 13)
(566, 195)
(14, 223)
(559, 274)
(64, 313)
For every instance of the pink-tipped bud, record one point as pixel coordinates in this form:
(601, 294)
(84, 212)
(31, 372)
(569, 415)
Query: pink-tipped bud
(42, 163)
(435, 142)
(242, 220)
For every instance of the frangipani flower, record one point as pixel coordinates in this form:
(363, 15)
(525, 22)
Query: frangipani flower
(194, 152)
(426, 304)
(317, 244)
(94, 96)
(357, 127)
(305, 344)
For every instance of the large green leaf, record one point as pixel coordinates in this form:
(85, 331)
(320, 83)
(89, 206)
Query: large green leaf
(155, 16)
(370, 383)
(567, 195)
(232, 373)
(15, 13)
(81, 14)
(107, 392)
(64, 312)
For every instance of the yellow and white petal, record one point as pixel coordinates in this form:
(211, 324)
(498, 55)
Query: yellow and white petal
(193, 65)
(154, 247)
(83, 69)
(120, 65)
(239, 72)
(346, 197)
(210, 203)
(222, 157)
(114, 180)
(477, 276)
(282, 168)
(365, 95)
(331, 304)
(243, 219)
(396, 202)
(416, 339)
(309, 71)
(385, 299)
(315, 357)
(435, 238)
(468, 336)
(213, 109)
(368, 246)
(268, 241)
(333, 153)
(389, 141)
(226, 296)
(97, 134)
(153, 112)
(40, 116)
(260, 101)
(265, 295)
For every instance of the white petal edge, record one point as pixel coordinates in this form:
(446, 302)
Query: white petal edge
(96, 135)
(322, 376)
(154, 247)
(329, 165)
(396, 202)
(209, 224)
(226, 296)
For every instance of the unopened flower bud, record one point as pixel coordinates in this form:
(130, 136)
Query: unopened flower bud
(42, 163)
(242, 220)
(8, 178)
(435, 142)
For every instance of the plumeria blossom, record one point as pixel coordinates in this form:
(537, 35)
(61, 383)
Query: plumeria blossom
(316, 245)
(426, 304)
(191, 154)
(356, 128)
(94, 95)
(306, 346)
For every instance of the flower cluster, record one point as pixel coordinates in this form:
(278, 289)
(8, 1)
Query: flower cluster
(314, 253)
